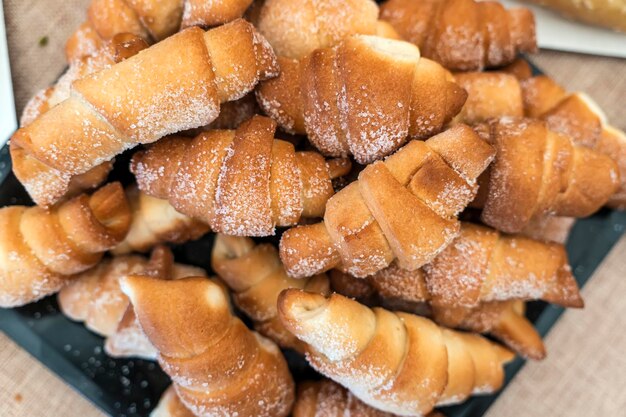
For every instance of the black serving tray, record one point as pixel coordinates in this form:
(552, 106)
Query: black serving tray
(132, 387)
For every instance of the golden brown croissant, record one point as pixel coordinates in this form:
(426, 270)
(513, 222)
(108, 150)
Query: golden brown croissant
(327, 399)
(503, 320)
(474, 284)
(366, 97)
(402, 290)
(537, 172)
(96, 298)
(549, 229)
(295, 28)
(579, 117)
(154, 222)
(117, 108)
(218, 366)
(41, 249)
(256, 277)
(489, 95)
(484, 265)
(249, 182)
(44, 183)
(404, 208)
(463, 35)
(151, 19)
(396, 362)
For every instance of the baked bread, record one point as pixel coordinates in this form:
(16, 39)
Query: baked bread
(404, 208)
(365, 97)
(249, 183)
(397, 289)
(217, 365)
(295, 28)
(559, 178)
(463, 35)
(608, 13)
(95, 298)
(326, 398)
(153, 20)
(45, 184)
(115, 109)
(171, 406)
(41, 250)
(579, 117)
(154, 222)
(396, 362)
(256, 277)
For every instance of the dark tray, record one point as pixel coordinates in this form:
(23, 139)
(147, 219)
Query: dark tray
(132, 387)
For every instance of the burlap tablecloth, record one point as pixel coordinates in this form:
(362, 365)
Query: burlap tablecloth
(585, 373)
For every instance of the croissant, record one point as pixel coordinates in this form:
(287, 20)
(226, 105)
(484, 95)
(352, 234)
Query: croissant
(559, 178)
(95, 297)
(151, 19)
(327, 399)
(154, 222)
(45, 184)
(473, 283)
(484, 265)
(490, 95)
(256, 277)
(404, 208)
(41, 249)
(249, 182)
(504, 320)
(515, 93)
(463, 35)
(295, 28)
(405, 290)
(396, 362)
(366, 97)
(116, 109)
(549, 229)
(579, 117)
(217, 365)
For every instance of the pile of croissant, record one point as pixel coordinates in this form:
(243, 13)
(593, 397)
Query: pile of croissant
(420, 200)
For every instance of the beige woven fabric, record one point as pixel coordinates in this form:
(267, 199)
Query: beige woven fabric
(585, 373)
(36, 66)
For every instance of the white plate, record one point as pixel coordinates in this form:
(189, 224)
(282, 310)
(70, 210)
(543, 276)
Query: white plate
(8, 121)
(556, 32)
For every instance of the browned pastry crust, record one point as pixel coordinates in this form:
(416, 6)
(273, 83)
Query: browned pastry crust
(41, 249)
(96, 298)
(403, 208)
(295, 28)
(154, 222)
(43, 183)
(153, 20)
(249, 183)
(475, 283)
(537, 172)
(484, 265)
(489, 95)
(396, 362)
(366, 97)
(549, 229)
(217, 365)
(117, 108)
(579, 117)
(401, 290)
(463, 35)
(325, 398)
(256, 277)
